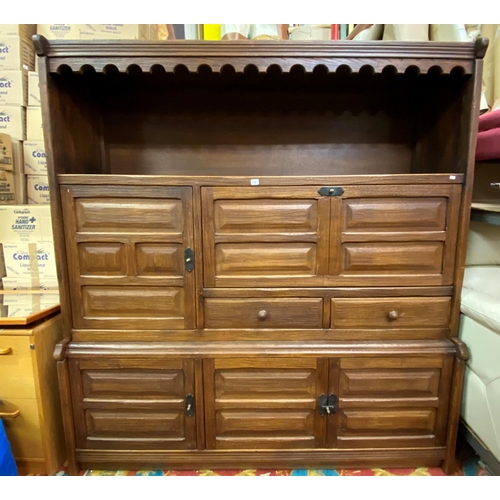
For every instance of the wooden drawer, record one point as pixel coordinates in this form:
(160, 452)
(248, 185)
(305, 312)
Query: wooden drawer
(392, 312)
(16, 368)
(24, 431)
(263, 313)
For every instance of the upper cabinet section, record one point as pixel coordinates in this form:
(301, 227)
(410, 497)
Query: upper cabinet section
(354, 236)
(127, 250)
(268, 108)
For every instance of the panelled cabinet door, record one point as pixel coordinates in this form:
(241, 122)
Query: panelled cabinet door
(260, 236)
(126, 256)
(394, 235)
(134, 405)
(385, 402)
(264, 403)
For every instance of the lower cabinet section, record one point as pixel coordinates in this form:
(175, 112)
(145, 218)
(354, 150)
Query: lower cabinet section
(388, 402)
(342, 401)
(254, 403)
(134, 404)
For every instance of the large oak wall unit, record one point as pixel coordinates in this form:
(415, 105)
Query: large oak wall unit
(260, 249)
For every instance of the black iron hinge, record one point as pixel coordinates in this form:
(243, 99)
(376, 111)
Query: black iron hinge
(189, 259)
(327, 405)
(190, 405)
(331, 191)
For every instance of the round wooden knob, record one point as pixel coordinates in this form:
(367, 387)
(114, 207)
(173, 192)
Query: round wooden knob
(262, 315)
(393, 315)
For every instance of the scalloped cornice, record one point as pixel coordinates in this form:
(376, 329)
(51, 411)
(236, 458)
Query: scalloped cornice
(399, 56)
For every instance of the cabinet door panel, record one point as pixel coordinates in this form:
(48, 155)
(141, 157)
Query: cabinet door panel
(132, 404)
(125, 248)
(255, 403)
(394, 235)
(390, 401)
(265, 236)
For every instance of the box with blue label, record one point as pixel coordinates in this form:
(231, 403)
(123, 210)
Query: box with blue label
(25, 223)
(13, 121)
(35, 261)
(16, 52)
(38, 192)
(13, 87)
(35, 158)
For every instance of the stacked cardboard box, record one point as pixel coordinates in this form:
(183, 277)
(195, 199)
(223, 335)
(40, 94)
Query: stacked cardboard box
(12, 178)
(27, 258)
(35, 161)
(98, 31)
(17, 57)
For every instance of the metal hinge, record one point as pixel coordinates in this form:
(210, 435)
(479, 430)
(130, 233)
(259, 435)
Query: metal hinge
(190, 405)
(189, 259)
(331, 191)
(327, 405)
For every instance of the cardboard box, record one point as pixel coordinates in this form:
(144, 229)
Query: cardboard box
(25, 224)
(35, 158)
(33, 89)
(310, 33)
(406, 32)
(20, 188)
(6, 153)
(116, 32)
(16, 52)
(7, 188)
(34, 127)
(17, 155)
(23, 30)
(25, 304)
(13, 87)
(28, 284)
(60, 31)
(30, 260)
(13, 122)
(37, 190)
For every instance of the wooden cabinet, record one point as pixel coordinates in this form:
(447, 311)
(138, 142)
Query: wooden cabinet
(261, 250)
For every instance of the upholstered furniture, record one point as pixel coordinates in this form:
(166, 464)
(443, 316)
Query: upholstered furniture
(480, 329)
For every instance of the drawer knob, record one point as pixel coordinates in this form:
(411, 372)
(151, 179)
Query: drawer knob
(262, 315)
(393, 315)
(4, 352)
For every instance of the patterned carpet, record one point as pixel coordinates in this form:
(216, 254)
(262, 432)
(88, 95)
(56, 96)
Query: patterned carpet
(467, 465)
(469, 468)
